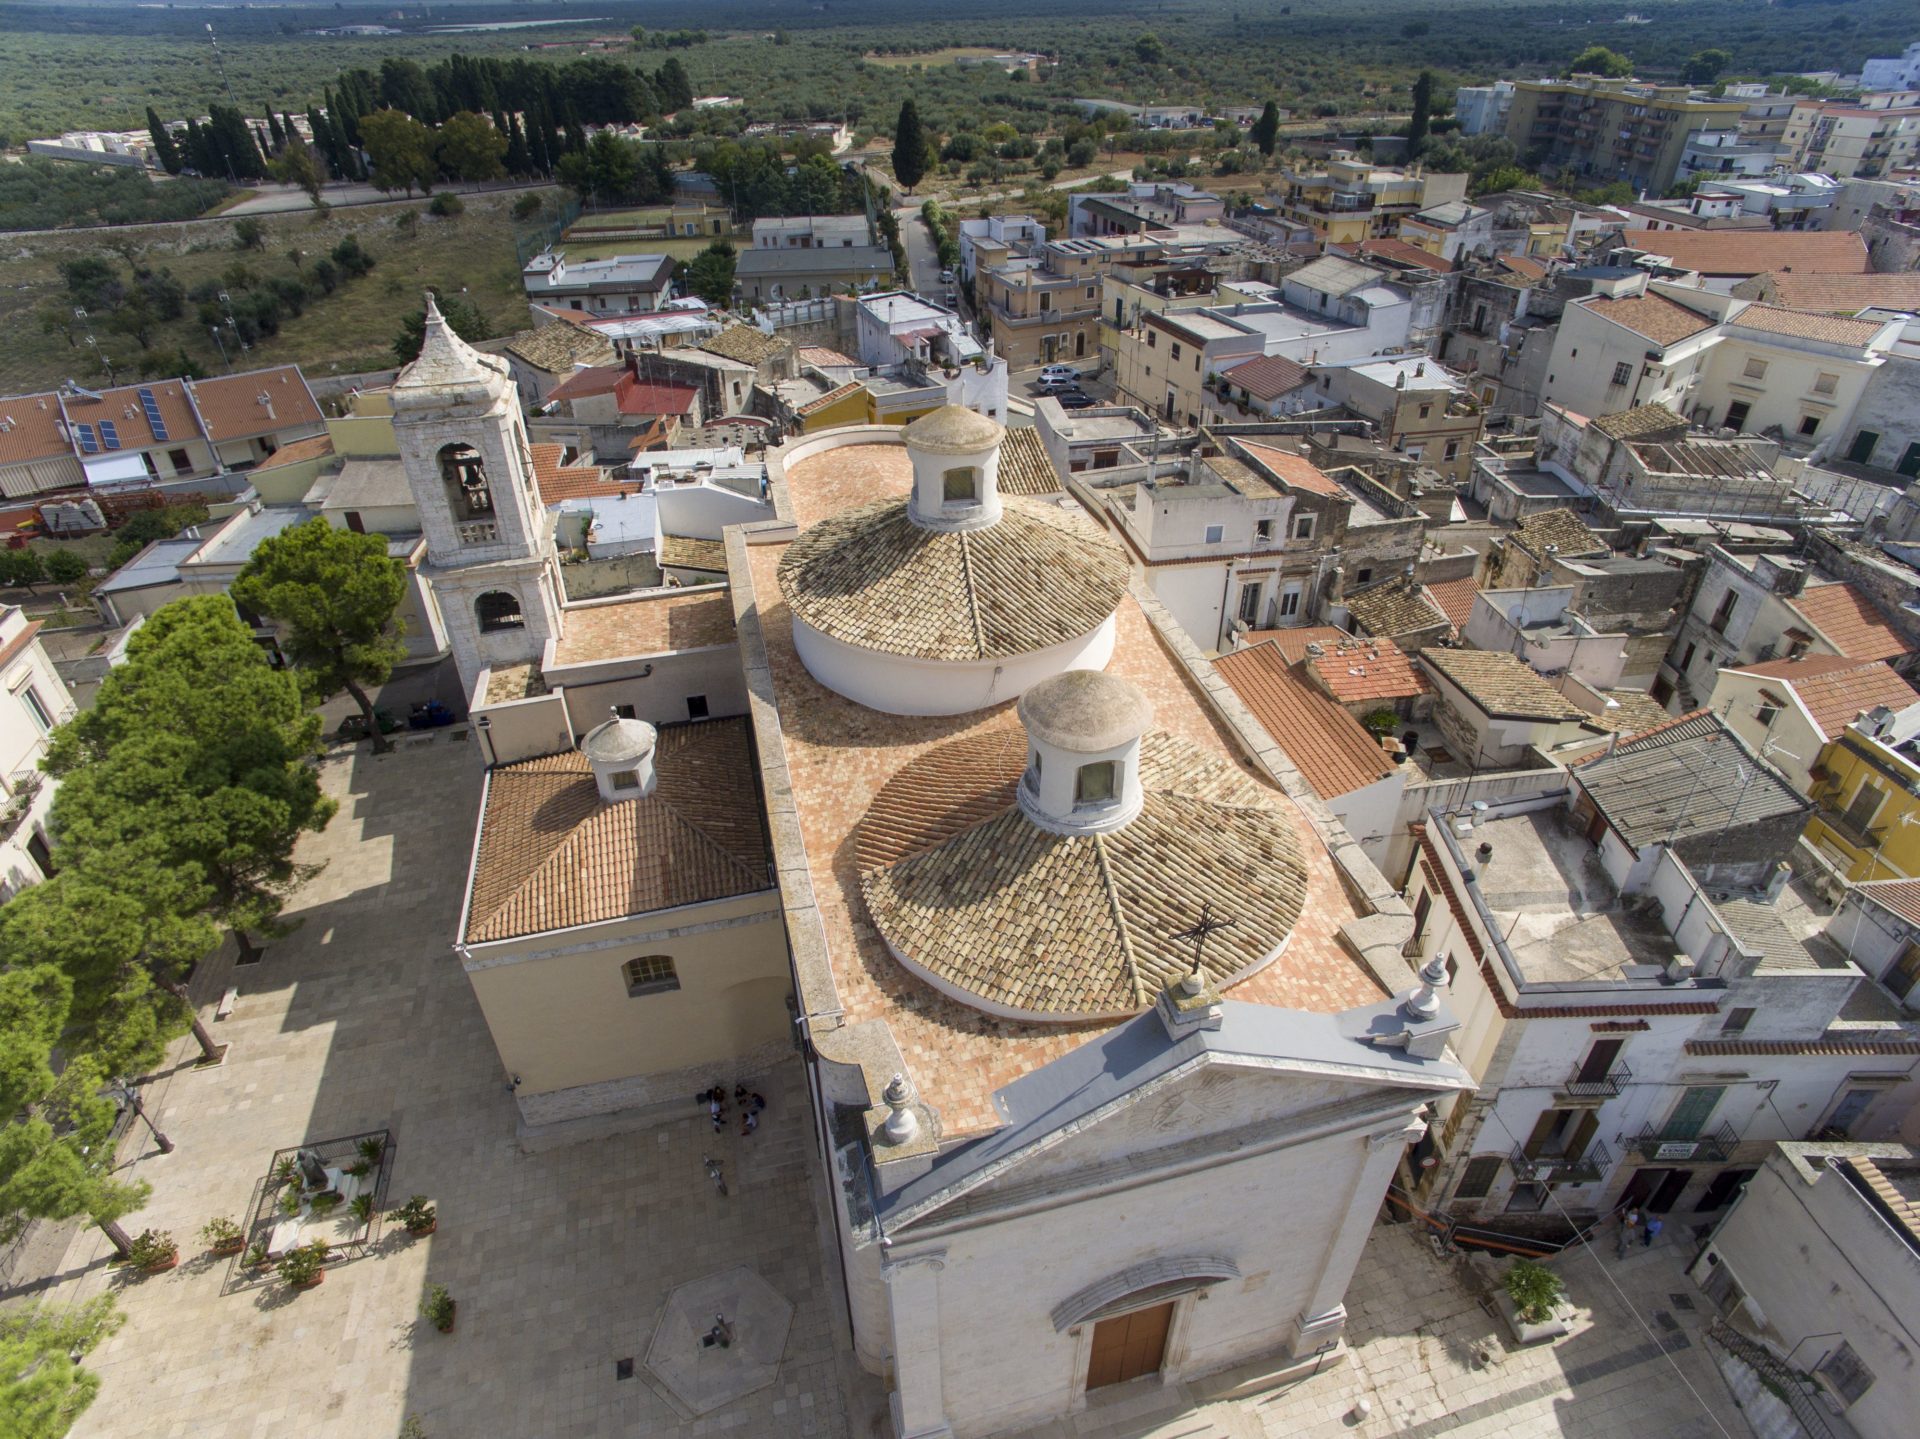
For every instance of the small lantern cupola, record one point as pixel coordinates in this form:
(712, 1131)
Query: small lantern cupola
(1083, 752)
(956, 469)
(621, 752)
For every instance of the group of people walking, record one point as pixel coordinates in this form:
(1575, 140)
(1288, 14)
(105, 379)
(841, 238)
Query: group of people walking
(1632, 1222)
(750, 1103)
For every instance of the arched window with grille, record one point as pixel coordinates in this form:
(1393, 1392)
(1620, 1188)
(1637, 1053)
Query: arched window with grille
(498, 610)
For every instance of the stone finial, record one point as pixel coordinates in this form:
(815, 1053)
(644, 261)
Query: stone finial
(902, 1124)
(1423, 1002)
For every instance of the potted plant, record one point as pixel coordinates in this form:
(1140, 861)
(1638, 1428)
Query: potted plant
(286, 1171)
(362, 1207)
(325, 1202)
(289, 1203)
(305, 1266)
(223, 1236)
(371, 1148)
(420, 1217)
(153, 1251)
(257, 1255)
(1533, 1308)
(437, 1308)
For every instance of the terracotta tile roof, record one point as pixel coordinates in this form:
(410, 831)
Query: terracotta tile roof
(1632, 712)
(123, 408)
(1293, 643)
(1809, 325)
(1455, 599)
(1849, 621)
(230, 404)
(1837, 689)
(1839, 294)
(1395, 608)
(1525, 266)
(1295, 470)
(1754, 252)
(1398, 250)
(30, 429)
(644, 397)
(747, 345)
(1860, 1047)
(871, 577)
(1654, 316)
(558, 348)
(832, 397)
(1332, 750)
(552, 854)
(1267, 377)
(1893, 1198)
(557, 482)
(825, 358)
(681, 553)
(1901, 896)
(593, 380)
(1077, 925)
(1640, 422)
(314, 447)
(651, 624)
(1372, 669)
(1025, 466)
(1562, 529)
(1501, 685)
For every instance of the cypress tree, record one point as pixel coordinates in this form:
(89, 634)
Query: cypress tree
(164, 150)
(909, 147)
(273, 128)
(1266, 130)
(519, 161)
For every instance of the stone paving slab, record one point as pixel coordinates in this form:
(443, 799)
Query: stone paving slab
(559, 1261)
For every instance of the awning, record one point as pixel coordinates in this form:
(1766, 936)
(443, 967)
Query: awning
(115, 469)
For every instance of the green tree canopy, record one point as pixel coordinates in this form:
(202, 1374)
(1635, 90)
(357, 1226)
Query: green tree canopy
(467, 147)
(1266, 130)
(401, 149)
(1420, 122)
(43, 1387)
(909, 147)
(1599, 60)
(710, 274)
(336, 595)
(1704, 67)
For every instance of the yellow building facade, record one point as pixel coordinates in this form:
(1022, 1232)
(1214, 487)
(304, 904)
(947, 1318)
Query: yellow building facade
(1867, 815)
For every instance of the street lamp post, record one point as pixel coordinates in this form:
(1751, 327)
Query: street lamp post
(130, 1095)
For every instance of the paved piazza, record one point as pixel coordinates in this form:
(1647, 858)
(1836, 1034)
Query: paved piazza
(559, 1261)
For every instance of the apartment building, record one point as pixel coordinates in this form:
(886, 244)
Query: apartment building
(1852, 141)
(617, 285)
(1604, 129)
(37, 702)
(1866, 789)
(811, 232)
(1482, 109)
(1416, 406)
(1149, 206)
(1353, 200)
(1047, 307)
(996, 239)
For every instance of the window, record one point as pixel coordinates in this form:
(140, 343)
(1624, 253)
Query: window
(1737, 1021)
(1843, 1372)
(30, 697)
(1289, 604)
(1737, 414)
(1767, 714)
(624, 779)
(1215, 534)
(650, 974)
(1622, 372)
(1686, 659)
(1094, 783)
(1689, 1116)
(1263, 529)
(960, 486)
(1176, 352)
(1303, 527)
(1756, 369)
(1865, 804)
(498, 610)
(1250, 604)
(1362, 576)
(1825, 384)
(1723, 614)
(1153, 340)
(625, 712)
(696, 707)
(181, 462)
(1809, 424)
(1453, 450)
(1425, 410)
(1476, 1181)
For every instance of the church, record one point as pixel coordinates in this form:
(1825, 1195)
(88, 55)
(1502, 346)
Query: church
(1110, 1044)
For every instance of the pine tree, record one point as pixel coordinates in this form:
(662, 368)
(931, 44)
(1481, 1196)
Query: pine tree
(164, 150)
(909, 147)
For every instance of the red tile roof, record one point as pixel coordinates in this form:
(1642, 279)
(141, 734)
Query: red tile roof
(235, 407)
(30, 429)
(559, 482)
(1837, 689)
(1332, 750)
(1396, 250)
(1267, 377)
(1372, 669)
(1525, 266)
(1902, 896)
(1295, 470)
(1849, 621)
(1843, 1047)
(1754, 252)
(589, 380)
(1293, 643)
(644, 397)
(124, 410)
(1455, 599)
(1653, 316)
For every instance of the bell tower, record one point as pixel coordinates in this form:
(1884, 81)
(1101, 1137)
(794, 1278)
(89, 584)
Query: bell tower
(491, 561)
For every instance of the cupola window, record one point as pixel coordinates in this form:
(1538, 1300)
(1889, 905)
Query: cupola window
(1094, 784)
(960, 486)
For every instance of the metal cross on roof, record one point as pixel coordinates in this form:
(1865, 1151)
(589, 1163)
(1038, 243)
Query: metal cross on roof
(1203, 929)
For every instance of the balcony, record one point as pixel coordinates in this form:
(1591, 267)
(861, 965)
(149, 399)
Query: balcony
(1857, 835)
(1605, 1087)
(1589, 1168)
(1653, 1146)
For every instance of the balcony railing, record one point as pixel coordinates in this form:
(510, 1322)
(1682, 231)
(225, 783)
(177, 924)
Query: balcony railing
(1605, 1087)
(1654, 1146)
(1588, 1168)
(479, 532)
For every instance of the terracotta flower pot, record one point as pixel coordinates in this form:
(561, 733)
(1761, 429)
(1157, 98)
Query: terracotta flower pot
(316, 1280)
(423, 1232)
(223, 1251)
(163, 1266)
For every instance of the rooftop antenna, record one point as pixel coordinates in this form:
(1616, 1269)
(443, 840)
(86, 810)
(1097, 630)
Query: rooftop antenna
(1197, 934)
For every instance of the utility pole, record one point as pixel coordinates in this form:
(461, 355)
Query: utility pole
(218, 59)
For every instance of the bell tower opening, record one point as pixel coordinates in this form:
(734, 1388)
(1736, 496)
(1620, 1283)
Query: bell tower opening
(498, 610)
(464, 473)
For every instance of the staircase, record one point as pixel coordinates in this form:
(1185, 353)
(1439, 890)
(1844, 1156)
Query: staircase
(1796, 1391)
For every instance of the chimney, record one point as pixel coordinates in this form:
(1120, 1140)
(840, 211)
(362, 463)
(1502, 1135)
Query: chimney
(1777, 881)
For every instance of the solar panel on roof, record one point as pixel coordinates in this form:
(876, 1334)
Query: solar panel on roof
(88, 444)
(109, 436)
(152, 407)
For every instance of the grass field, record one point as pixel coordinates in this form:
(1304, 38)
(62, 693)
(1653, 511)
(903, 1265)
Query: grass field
(680, 249)
(344, 333)
(935, 57)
